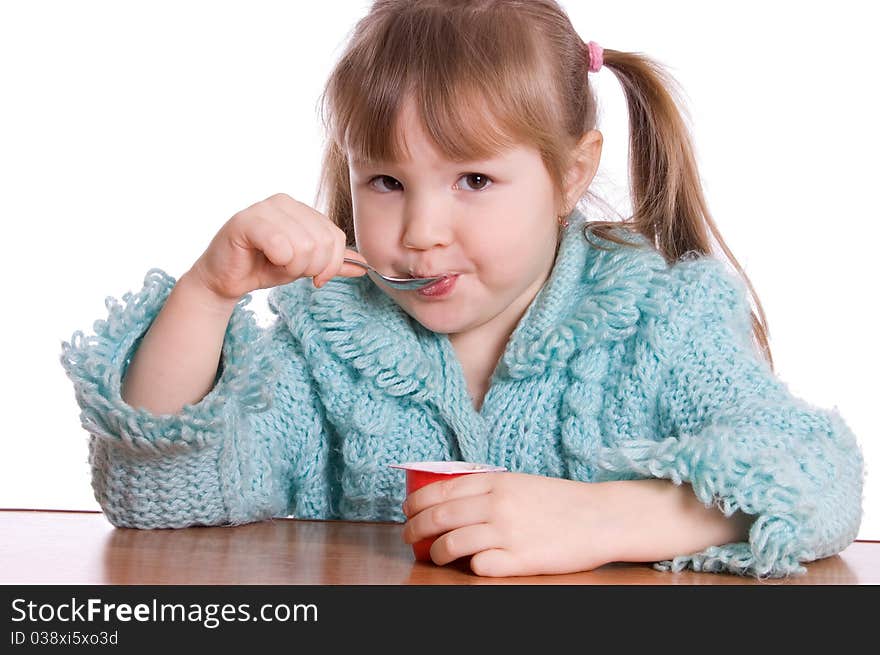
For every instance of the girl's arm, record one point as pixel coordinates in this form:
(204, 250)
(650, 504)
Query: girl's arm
(176, 362)
(232, 457)
(656, 520)
(743, 443)
(525, 524)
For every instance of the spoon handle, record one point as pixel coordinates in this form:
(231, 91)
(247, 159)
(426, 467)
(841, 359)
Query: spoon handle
(357, 263)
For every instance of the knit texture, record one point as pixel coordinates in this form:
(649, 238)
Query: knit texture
(623, 367)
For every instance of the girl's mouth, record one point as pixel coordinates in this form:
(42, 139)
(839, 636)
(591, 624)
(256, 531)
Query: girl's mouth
(440, 288)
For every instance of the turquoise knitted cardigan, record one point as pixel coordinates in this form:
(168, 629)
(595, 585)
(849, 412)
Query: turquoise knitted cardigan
(623, 367)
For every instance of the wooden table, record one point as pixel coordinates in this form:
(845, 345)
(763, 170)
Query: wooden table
(51, 547)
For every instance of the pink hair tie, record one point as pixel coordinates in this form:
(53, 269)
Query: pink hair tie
(595, 56)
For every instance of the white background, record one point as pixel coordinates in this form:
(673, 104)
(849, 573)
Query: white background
(130, 132)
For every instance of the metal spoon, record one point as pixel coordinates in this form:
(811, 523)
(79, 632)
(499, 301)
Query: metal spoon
(405, 283)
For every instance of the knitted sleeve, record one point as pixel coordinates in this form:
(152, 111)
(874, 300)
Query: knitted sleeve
(733, 431)
(227, 459)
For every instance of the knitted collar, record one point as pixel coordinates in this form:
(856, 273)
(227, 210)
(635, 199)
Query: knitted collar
(592, 295)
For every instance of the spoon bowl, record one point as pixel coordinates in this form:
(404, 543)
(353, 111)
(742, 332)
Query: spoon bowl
(404, 283)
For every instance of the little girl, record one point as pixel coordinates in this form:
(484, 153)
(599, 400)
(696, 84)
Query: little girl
(614, 368)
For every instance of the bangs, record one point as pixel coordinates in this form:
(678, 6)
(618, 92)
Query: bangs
(463, 130)
(472, 79)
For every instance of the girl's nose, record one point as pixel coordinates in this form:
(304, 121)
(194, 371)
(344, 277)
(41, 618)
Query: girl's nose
(426, 227)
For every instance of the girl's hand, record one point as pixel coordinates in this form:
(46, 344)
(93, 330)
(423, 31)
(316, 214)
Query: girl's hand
(514, 523)
(273, 242)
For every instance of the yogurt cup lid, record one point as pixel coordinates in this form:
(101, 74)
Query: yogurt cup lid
(448, 467)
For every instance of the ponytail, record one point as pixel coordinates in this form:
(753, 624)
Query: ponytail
(667, 198)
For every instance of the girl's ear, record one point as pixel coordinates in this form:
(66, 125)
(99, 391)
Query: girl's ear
(583, 169)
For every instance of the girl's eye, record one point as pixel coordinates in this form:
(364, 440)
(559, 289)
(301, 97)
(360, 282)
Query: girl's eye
(383, 178)
(479, 180)
(476, 182)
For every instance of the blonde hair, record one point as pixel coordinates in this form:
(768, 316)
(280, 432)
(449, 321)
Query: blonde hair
(486, 75)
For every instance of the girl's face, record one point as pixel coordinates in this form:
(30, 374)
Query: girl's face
(492, 223)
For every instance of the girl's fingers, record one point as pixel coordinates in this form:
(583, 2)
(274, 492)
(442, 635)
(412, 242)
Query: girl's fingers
(325, 257)
(319, 246)
(352, 270)
(310, 242)
(264, 235)
(335, 260)
(468, 540)
(446, 516)
(459, 487)
(495, 562)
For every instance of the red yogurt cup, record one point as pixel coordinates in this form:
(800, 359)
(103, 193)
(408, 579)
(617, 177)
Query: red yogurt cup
(418, 474)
